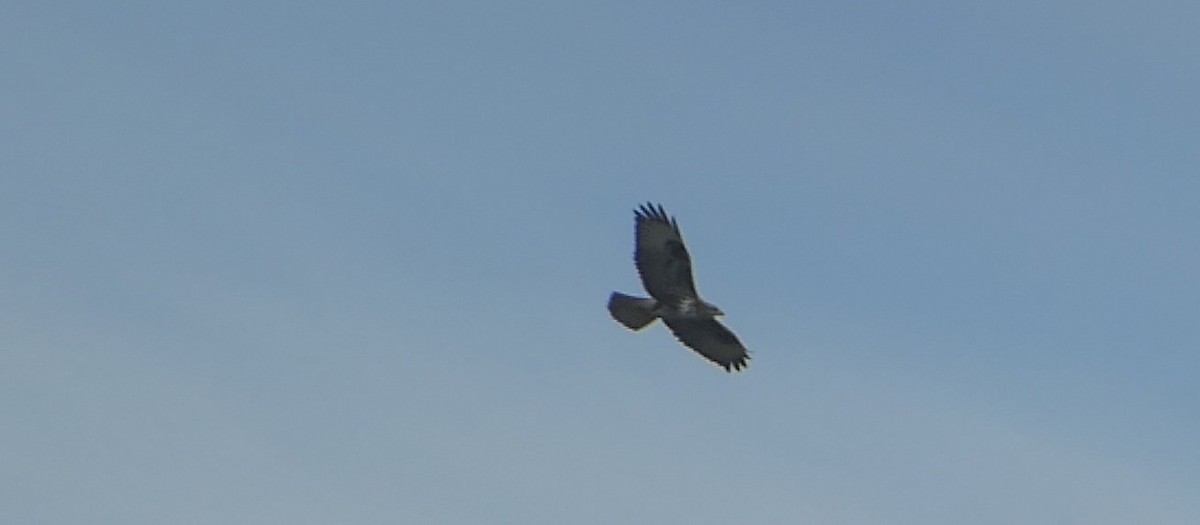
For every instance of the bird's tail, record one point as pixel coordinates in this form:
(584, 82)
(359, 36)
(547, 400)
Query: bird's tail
(633, 312)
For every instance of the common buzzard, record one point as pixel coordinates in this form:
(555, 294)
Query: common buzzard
(666, 270)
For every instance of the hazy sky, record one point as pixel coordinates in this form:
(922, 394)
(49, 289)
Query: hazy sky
(346, 262)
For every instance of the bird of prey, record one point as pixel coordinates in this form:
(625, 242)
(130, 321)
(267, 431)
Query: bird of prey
(666, 270)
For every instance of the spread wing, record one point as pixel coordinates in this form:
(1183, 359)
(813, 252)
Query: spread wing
(712, 340)
(662, 259)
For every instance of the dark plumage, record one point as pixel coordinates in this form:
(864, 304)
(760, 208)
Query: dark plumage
(665, 267)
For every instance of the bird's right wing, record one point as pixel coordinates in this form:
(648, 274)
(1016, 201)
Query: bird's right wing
(661, 258)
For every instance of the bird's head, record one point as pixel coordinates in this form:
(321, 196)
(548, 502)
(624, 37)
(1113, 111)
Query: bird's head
(711, 309)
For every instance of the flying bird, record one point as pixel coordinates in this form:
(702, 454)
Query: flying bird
(666, 270)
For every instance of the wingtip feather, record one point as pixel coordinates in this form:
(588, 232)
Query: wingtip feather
(651, 211)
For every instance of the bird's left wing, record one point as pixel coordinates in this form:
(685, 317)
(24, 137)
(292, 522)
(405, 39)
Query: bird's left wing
(712, 340)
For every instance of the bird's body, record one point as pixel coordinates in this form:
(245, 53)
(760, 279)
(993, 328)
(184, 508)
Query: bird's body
(665, 267)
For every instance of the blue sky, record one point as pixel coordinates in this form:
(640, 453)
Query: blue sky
(276, 262)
